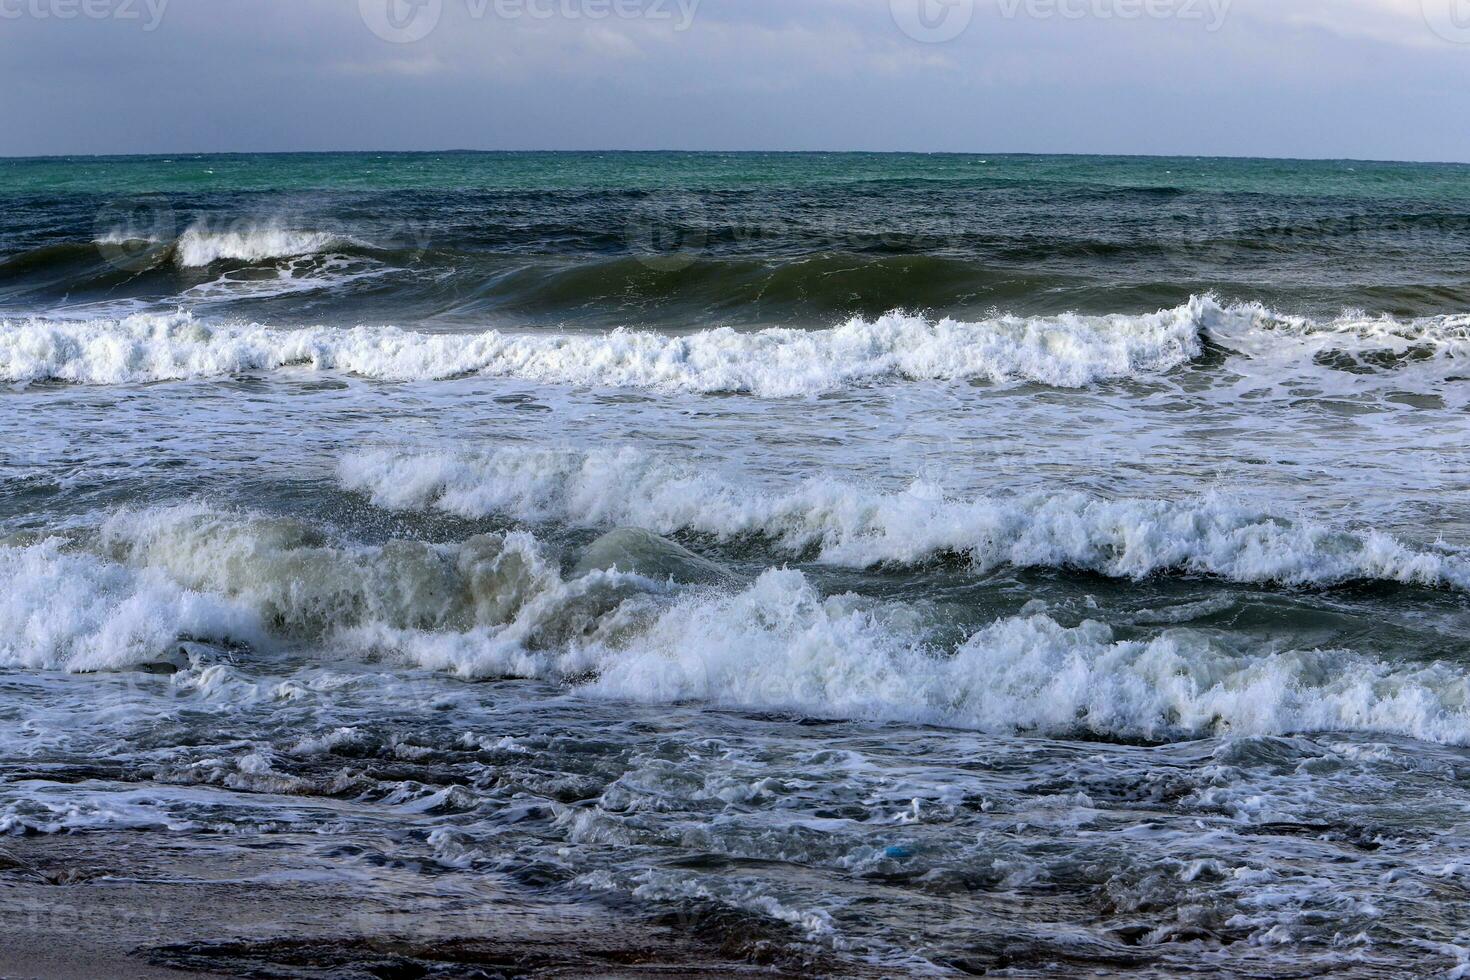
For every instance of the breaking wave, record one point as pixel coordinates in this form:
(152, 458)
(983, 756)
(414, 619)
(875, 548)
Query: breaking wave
(850, 525)
(72, 611)
(1064, 351)
(148, 580)
(781, 645)
(198, 246)
(500, 607)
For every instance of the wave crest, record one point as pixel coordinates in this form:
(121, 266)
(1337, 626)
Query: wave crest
(198, 246)
(849, 525)
(151, 579)
(1063, 351)
(780, 645)
(775, 644)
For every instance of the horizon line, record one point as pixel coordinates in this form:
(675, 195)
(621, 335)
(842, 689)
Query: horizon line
(466, 151)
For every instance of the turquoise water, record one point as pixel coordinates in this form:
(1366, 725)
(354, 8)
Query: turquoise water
(705, 171)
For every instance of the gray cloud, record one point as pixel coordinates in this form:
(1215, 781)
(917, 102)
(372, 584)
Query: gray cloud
(1335, 78)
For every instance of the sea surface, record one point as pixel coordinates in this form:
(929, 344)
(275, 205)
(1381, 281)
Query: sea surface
(848, 564)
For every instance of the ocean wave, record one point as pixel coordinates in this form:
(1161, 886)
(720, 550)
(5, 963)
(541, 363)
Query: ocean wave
(73, 611)
(780, 645)
(119, 274)
(1065, 351)
(305, 586)
(1353, 341)
(826, 287)
(146, 580)
(116, 236)
(303, 274)
(499, 608)
(850, 525)
(198, 246)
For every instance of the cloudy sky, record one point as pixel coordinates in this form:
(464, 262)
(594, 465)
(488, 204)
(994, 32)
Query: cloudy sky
(1381, 79)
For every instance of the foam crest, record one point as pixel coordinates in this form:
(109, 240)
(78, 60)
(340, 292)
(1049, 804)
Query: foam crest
(497, 607)
(781, 645)
(147, 580)
(1065, 351)
(305, 586)
(855, 526)
(198, 246)
(77, 612)
(1258, 329)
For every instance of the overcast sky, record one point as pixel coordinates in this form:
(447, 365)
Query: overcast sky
(1383, 79)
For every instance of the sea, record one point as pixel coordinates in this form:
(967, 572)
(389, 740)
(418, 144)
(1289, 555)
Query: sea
(489, 564)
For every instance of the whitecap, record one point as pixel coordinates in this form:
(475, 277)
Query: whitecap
(851, 525)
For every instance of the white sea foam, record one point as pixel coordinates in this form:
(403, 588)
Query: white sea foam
(1260, 332)
(198, 246)
(65, 611)
(1066, 351)
(780, 645)
(851, 525)
(1348, 357)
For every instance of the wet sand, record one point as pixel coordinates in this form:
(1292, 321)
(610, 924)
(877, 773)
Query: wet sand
(136, 906)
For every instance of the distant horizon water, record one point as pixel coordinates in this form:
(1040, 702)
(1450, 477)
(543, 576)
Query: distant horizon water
(155, 154)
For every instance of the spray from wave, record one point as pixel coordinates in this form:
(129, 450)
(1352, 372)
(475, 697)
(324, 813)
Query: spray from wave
(198, 246)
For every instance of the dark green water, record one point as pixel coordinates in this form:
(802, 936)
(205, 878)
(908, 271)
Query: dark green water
(751, 239)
